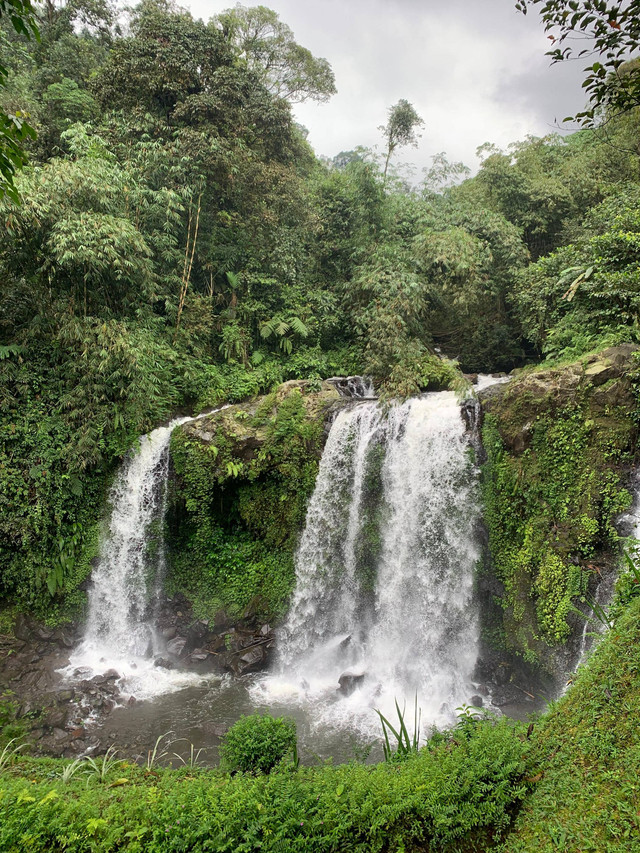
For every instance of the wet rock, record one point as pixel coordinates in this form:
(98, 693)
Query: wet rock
(199, 655)
(103, 687)
(65, 695)
(352, 387)
(503, 696)
(502, 674)
(215, 644)
(132, 700)
(176, 646)
(476, 700)
(251, 659)
(265, 630)
(44, 634)
(22, 628)
(63, 639)
(44, 682)
(106, 677)
(165, 663)
(221, 619)
(56, 719)
(60, 735)
(350, 681)
(169, 633)
(216, 729)
(198, 630)
(81, 671)
(29, 706)
(246, 660)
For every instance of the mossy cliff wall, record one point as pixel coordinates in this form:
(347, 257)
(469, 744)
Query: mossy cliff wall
(238, 495)
(559, 445)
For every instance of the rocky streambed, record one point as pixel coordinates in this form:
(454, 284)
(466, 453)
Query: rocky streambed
(86, 714)
(68, 713)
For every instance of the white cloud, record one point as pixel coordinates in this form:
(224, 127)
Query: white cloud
(475, 72)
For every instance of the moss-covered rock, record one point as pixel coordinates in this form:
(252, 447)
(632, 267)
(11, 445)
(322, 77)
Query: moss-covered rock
(559, 445)
(241, 480)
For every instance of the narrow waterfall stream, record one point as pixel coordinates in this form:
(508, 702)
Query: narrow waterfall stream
(125, 584)
(385, 569)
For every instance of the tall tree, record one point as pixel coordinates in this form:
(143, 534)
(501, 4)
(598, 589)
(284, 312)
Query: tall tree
(267, 45)
(401, 129)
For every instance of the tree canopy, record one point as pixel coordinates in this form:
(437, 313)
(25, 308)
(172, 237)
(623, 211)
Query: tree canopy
(14, 127)
(604, 30)
(267, 45)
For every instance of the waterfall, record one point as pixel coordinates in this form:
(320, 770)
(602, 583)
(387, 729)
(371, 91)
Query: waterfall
(127, 580)
(385, 568)
(327, 593)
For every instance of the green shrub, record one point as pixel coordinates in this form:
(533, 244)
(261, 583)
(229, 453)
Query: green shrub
(258, 743)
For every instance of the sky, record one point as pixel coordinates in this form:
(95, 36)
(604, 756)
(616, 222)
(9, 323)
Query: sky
(475, 71)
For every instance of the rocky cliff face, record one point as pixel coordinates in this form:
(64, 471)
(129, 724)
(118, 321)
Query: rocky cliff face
(241, 481)
(560, 444)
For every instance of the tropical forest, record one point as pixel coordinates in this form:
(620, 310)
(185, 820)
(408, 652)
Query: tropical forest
(319, 475)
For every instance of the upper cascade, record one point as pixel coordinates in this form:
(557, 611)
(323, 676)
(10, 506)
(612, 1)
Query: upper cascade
(354, 387)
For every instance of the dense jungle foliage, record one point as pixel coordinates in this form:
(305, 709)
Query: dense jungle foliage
(177, 243)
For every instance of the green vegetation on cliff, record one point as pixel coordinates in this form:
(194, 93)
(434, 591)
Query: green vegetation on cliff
(238, 500)
(584, 764)
(559, 448)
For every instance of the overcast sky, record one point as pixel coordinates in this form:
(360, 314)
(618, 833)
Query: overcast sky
(475, 71)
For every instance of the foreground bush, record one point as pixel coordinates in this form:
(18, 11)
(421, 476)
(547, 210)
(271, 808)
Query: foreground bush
(258, 743)
(462, 786)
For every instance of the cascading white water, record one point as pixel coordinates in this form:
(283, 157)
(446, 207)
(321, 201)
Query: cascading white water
(410, 626)
(119, 633)
(327, 592)
(425, 636)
